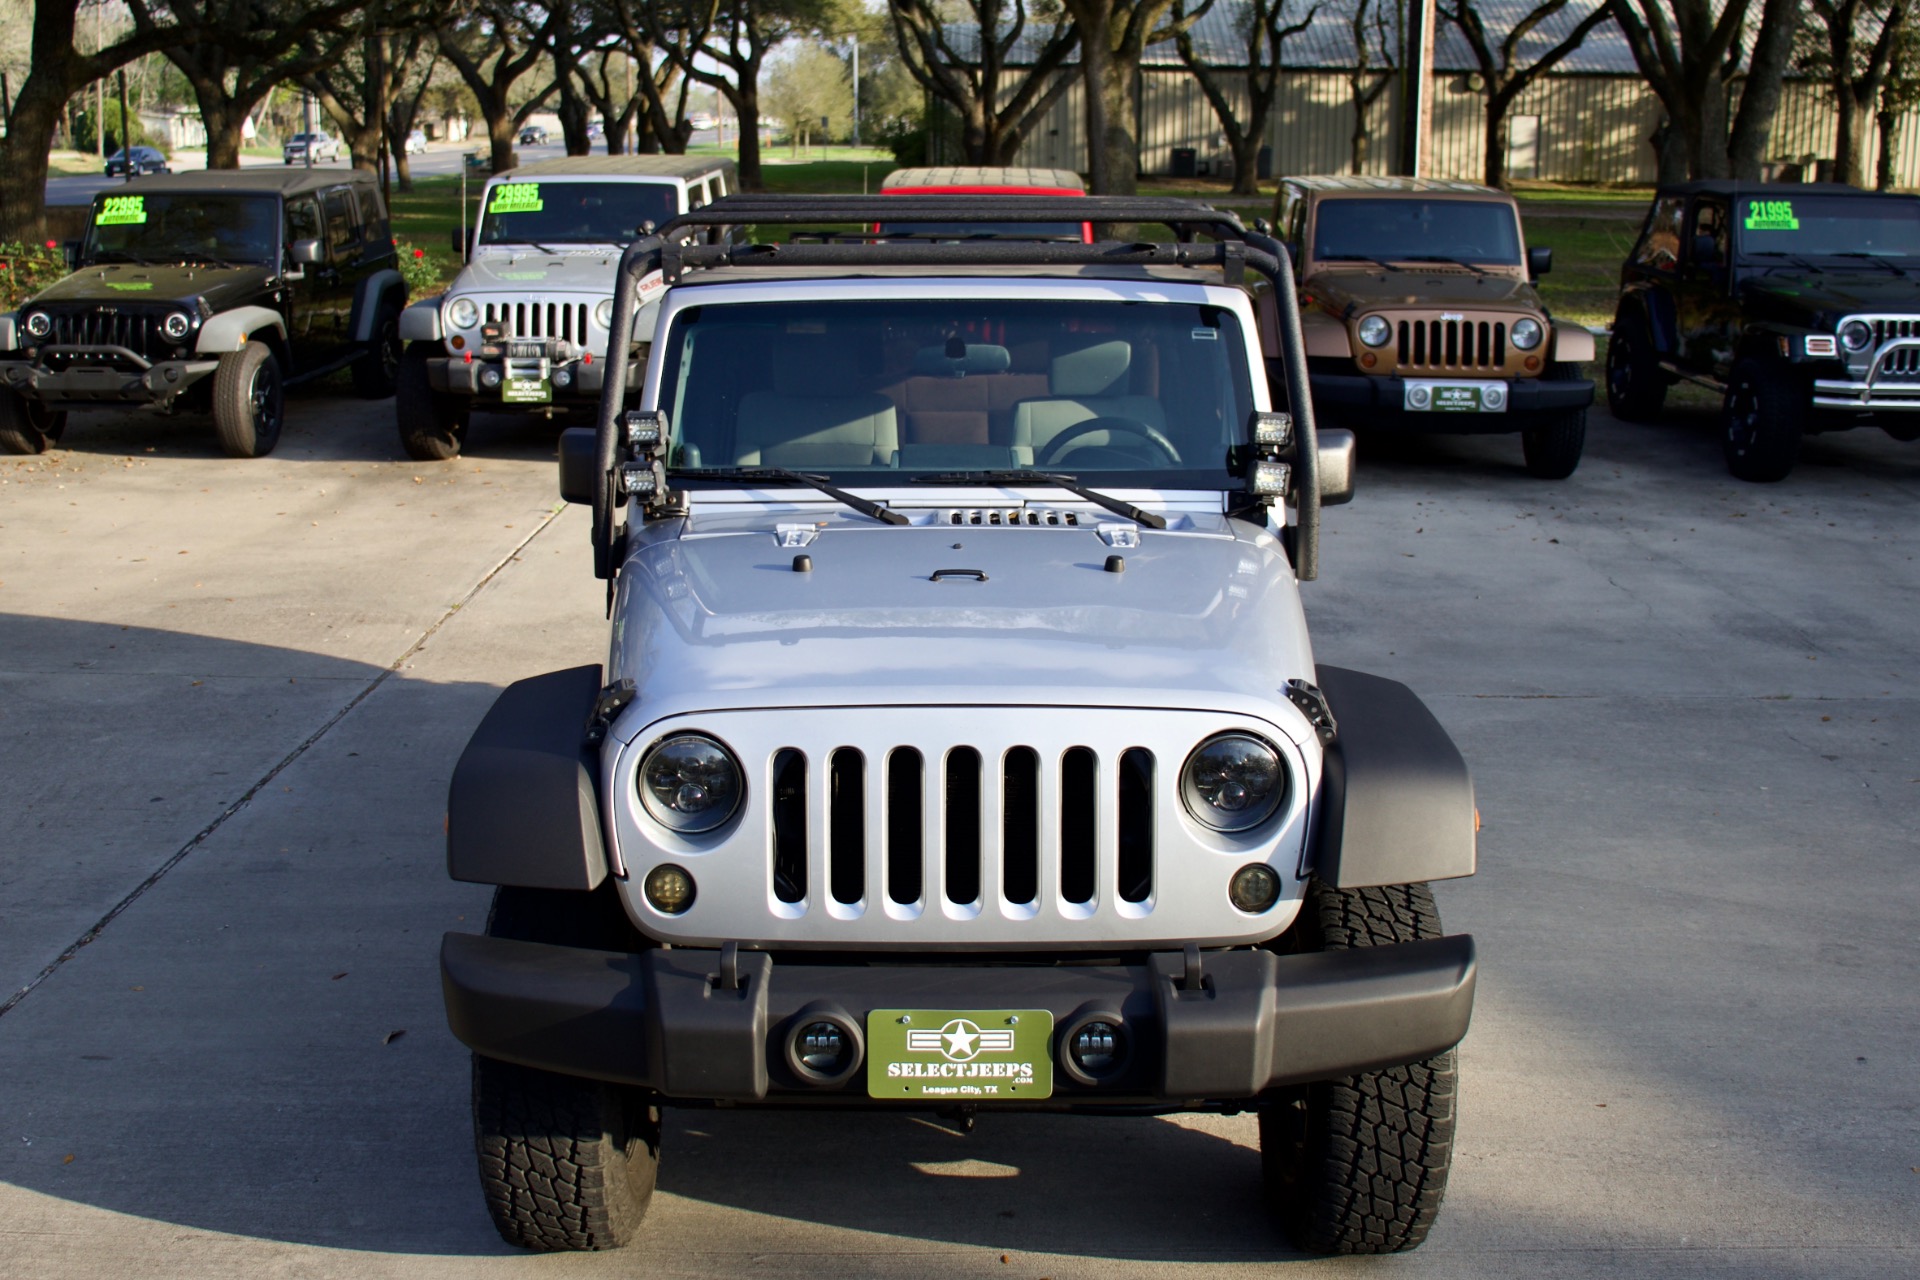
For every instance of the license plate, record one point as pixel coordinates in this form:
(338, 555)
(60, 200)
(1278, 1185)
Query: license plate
(960, 1055)
(526, 391)
(1455, 397)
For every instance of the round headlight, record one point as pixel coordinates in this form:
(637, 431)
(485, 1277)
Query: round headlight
(1527, 334)
(1233, 782)
(1856, 335)
(1374, 331)
(39, 323)
(690, 783)
(603, 313)
(176, 324)
(463, 314)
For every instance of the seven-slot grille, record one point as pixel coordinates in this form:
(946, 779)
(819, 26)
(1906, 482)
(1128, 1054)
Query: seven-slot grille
(566, 321)
(130, 329)
(1452, 344)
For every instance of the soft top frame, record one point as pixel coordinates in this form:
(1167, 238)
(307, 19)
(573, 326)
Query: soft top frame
(698, 240)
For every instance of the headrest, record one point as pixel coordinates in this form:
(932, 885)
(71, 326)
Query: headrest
(1091, 371)
(980, 357)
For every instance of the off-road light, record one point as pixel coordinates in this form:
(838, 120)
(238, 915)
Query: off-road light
(39, 323)
(1526, 333)
(176, 324)
(1374, 331)
(669, 889)
(489, 378)
(1233, 781)
(603, 313)
(1097, 1047)
(689, 783)
(463, 313)
(646, 429)
(1272, 430)
(1271, 479)
(1253, 888)
(1856, 335)
(1493, 397)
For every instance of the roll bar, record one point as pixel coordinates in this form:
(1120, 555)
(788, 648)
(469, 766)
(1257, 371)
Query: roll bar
(698, 241)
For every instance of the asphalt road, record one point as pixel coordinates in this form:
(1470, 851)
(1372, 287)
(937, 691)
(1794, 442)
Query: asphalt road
(231, 694)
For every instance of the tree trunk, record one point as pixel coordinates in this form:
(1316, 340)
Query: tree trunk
(225, 120)
(1850, 140)
(746, 105)
(1122, 153)
(1760, 98)
(1244, 147)
(1495, 169)
(1094, 58)
(1887, 121)
(23, 156)
(501, 136)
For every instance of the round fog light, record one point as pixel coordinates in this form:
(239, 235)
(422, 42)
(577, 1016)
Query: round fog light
(822, 1048)
(1096, 1048)
(1493, 397)
(562, 377)
(1253, 888)
(669, 889)
(1419, 397)
(489, 378)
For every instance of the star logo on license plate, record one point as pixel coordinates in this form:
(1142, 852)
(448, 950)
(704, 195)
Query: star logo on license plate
(960, 1041)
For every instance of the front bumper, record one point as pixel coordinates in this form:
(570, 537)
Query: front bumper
(1386, 396)
(1866, 396)
(666, 1021)
(129, 379)
(460, 376)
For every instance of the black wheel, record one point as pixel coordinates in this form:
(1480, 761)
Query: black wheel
(1360, 1165)
(375, 373)
(27, 426)
(1762, 420)
(1552, 446)
(1636, 385)
(433, 424)
(249, 402)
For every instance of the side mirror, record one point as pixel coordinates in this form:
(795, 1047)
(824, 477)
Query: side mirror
(70, 250)
(1335, 458)
(1539, 262)
(1706, 253)
(459, 243)
(306, 253)
(578, 449)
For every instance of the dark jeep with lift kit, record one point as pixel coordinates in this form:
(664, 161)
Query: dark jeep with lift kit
(209, 292)
(1799, 304)
(961, 746)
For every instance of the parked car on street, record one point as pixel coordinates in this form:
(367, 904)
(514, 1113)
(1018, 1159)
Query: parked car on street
(140, 159)
(315, 147)
(416, 142)
(533, 135)
(1421, 314)
(209, 292)
(1800, 304)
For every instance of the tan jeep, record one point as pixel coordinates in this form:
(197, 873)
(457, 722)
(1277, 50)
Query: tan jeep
(1420, 314)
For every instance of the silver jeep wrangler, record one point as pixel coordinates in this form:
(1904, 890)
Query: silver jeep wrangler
(961, 746)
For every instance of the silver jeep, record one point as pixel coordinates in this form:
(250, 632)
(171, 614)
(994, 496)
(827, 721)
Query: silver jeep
(960, 745)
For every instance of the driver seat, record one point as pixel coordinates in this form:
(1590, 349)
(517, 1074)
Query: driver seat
(1091, 382)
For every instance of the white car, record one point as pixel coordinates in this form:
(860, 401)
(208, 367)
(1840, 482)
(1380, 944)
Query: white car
(314, 147)
(416, 143)
(960, 745)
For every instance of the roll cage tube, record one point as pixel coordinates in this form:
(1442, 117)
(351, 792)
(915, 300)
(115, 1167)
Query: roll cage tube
(1233, 249)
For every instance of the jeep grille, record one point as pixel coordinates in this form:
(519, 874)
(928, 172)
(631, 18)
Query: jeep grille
(1452, 344)
(131, 330)
(566, 321)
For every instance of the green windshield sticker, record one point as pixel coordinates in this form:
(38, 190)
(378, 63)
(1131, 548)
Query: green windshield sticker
(1771, 215)
(515, 197)
(130, 286)
(118, 211)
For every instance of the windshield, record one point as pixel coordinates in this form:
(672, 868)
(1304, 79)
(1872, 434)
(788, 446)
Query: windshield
(1829, 226)
(1127, 393)
(175, 228)
(1413, 230)
(546, 213)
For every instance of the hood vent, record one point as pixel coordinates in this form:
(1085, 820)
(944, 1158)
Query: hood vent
(1011, 516)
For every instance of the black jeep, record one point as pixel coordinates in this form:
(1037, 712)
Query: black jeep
(209, 292)
(1800, 304)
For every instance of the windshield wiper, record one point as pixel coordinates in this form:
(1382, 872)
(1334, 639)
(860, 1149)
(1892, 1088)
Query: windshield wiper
(865, 506)
(1070, 483)
(1452, 262)
(1875, 259)
(1356, 257)
(1794, 258)
(121, 255)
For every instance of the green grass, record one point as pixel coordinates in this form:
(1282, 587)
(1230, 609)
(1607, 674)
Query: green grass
(426, 217)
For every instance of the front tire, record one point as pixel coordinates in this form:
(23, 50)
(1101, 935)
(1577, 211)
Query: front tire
(1636, 385)
(249, 402)
(1360, 1165)
(1762, 420)
(27, 426)
(1552, 448)
(433, 424)
(376, 373)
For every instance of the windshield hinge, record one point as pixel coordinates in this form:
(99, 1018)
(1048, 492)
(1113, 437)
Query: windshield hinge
(607, 706)
(1313, 705)
(1233, 262)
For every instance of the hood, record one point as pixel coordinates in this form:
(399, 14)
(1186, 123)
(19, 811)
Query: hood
(129, 284)
(1820, 298)
(577, 270)
(713, 616)
(1361, 290)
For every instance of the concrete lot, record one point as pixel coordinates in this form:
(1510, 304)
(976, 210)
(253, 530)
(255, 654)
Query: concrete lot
(231, 694)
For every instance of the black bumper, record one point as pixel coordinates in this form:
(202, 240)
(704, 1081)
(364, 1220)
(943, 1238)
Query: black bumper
(461, 377)
(662, 1019)
(1385, 397)
(120, 383)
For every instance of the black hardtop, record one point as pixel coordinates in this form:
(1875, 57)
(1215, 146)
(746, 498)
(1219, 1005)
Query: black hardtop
(1778, 190)
(258, 181)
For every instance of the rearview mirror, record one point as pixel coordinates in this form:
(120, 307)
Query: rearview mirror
(578, 452)
(1539, 262)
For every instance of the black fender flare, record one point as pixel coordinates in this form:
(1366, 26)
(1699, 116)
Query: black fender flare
(1396, 799)
(524, 805)
(374, 291)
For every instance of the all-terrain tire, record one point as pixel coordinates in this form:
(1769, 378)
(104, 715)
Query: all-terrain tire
(1636, 385)
(433, 424)
(27, 426)
(1762, 421)
(376, 373)
(1552, 446)
(1360, 1165)
(565, 1164)
(249, 401)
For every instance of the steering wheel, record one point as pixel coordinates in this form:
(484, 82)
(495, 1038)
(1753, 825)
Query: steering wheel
(1058, 446)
